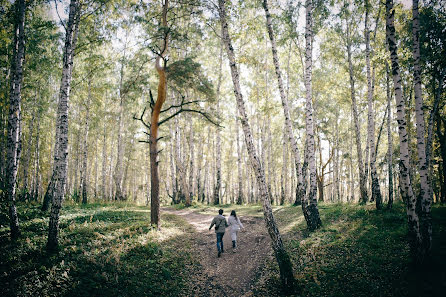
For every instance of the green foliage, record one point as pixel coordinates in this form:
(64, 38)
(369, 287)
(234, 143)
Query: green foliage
(188, 74)
(105, 250)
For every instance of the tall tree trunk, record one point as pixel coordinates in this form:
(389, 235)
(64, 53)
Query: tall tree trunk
(425, 190)
(217, 135)
(284, 175)
(27, 159)
(300, 192)
(13, 147)
(362, 176)
(153, 143)
(404, 164)
(104, 163)
(285, 266)
(442, 141)
(336, 168)
(239, 165)
(313, 212)
(117, 174)
(85, 147)
(199, 168)
(389, 138)
(376, 191)
(191, 161)
(35, 193)
(351, 191)
(61, 153)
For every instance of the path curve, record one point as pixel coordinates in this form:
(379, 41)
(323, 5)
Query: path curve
(233, 274)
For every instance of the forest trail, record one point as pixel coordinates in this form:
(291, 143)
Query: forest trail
(232, 274)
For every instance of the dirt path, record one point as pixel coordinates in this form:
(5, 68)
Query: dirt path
(233, 273)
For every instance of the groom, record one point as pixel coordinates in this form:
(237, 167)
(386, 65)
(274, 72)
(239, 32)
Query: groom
(220, 226)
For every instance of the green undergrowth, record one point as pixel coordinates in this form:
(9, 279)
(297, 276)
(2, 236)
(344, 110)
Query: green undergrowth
(105, 250)
(358, 251)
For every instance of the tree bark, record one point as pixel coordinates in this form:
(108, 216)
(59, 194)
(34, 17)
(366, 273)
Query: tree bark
(300, 191)
(13, 147)
(27, 159)
(423, 169)
(117, 174)
(160, 65)
(239, 165)
(404, 164)
(84, 177)
(36, 186)
(217, 136)
(389, 138)
(61, 153)
(376, 191)
(362, 176)
(312, 210)
(285, 266)
(191, 161)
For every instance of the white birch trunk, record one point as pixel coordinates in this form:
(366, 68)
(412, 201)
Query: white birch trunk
(85, 148)
(362, 176)
(300, 192)
(376, 191)
(285, 266)
(314, 220)
(61, 153)
(13, 146)
(425, 190)
(404, 163)
(389, 139)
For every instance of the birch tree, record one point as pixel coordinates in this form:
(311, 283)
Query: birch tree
(13, 146)
(61, 151)
(357, 128)
(423, 169)
(300, 192)
(313, 211)
(376, 191)
(404, 162)
(285, 266)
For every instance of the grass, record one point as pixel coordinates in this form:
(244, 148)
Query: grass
(358, 252)
(105, 250)
(111, 250)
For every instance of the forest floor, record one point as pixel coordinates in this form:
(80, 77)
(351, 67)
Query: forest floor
(110, 249)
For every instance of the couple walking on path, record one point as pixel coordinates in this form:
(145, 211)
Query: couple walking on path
(221, 224)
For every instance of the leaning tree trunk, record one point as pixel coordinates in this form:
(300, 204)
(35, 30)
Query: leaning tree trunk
(425, 190)
(313, 211)
(404, 164)
(154, 126)
(300, 191)
(61, 152)
(285, 266)
(362, 176)
(85, 148)
(376, 191)
(13, 147)
(389, 138)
